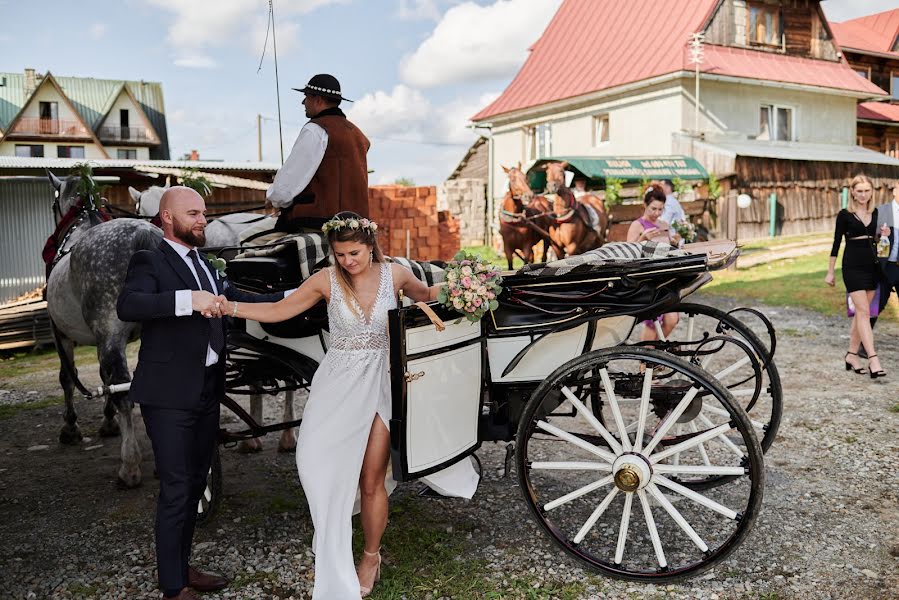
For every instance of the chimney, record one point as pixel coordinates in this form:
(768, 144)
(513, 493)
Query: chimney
(30, 81)
(194, 155)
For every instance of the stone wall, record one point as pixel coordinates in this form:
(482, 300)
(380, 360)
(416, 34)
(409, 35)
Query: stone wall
(409, 220)
(466, 199)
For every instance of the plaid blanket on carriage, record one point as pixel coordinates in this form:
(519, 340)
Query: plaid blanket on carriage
(614, 252)
(313, 253)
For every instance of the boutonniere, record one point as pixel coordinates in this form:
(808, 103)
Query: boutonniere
(218, 264)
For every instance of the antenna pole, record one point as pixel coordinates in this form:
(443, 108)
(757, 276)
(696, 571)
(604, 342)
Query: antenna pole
(271, 7)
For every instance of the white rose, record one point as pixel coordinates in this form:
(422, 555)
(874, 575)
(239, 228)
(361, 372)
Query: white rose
(354, 224)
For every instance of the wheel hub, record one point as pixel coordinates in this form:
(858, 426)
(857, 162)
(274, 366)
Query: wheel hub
(632, 472)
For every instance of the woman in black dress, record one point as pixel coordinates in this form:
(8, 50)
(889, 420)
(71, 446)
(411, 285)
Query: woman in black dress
(858, 223)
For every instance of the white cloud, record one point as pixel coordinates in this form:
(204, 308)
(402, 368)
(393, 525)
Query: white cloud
(472, 42)
(201, 24)
(450, 123)
(97, 30)
(195, 61)
(402, 111)
(415, 10)
(286, 33)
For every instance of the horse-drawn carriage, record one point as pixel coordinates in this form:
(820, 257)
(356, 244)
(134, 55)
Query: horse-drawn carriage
(591, 415)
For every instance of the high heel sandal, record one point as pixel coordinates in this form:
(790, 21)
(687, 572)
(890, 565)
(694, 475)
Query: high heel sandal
(365, 591)
(849, 366)
(875, 374)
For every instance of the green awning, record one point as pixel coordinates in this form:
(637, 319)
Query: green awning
(632, 168)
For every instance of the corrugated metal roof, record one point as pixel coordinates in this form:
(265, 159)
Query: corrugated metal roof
(801, 151)
(214, 178)
(92, 99)
(16, 162)
(874, 33)
(879, 111)
(592, 45)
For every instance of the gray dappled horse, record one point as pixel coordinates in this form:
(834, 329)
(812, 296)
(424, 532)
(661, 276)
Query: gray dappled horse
(82, 290)
(220, 232)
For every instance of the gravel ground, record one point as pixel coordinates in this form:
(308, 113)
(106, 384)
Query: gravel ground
(829, 526)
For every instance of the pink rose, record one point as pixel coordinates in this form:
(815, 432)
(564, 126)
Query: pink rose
(456, 292)
(466, 282)
(477, 302)
(491, 295)
(482, 277)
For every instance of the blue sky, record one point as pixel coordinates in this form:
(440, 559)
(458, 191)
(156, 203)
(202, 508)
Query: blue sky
(417, 68)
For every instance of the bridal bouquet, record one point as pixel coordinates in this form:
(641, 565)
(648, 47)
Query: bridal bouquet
(472, 286)
(685, 229)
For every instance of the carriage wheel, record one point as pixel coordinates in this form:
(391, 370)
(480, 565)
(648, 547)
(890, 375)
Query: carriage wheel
(614, 497)
(760, 325)
(729, 363)
(212, 495)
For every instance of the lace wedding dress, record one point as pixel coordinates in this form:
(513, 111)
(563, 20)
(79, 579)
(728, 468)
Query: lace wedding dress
(349, 388)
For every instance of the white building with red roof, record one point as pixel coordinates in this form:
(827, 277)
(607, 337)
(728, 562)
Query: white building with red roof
(777, 100)
(871, 46)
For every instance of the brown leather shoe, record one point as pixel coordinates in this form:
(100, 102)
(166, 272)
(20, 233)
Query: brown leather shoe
(185, 594)
(205, 582)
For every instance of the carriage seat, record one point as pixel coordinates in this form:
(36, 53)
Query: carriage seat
(263, 274)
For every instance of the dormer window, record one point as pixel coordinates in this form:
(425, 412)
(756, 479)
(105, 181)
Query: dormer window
(765, 25)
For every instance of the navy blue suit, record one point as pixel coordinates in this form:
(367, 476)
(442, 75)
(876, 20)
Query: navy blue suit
(178, 394)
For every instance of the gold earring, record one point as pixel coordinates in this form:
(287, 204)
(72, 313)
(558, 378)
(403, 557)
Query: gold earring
(371, 259)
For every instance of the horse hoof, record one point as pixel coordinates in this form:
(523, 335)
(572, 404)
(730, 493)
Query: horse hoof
(288, 442)
(70, 435)
(251, 446)
(128, 480)
(109, 428)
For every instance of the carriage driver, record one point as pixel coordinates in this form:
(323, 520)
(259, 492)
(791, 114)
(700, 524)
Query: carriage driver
(326, 172)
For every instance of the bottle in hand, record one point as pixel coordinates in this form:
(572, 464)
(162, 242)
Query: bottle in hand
(883, 246)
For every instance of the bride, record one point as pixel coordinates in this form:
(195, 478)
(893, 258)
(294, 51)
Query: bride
(343, 441)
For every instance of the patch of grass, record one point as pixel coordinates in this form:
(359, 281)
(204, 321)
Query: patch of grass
(81, 590)
(494, 257)
(8, 411)
(894, 408)
(245, 578)
(770, 243)
(24, 363)
(281, 504)
(430, 556)
(792, 282)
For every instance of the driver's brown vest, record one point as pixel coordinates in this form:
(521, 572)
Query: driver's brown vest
(341, 182)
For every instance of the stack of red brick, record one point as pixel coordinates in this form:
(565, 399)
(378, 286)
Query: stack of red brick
(409, 215)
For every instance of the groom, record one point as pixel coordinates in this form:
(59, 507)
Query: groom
(180, 376)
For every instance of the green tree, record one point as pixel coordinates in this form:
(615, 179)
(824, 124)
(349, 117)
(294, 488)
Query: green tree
(191, 178)
(405, 181)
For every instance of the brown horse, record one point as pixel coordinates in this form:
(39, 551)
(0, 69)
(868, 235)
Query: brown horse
(569, 230)
(517, 220)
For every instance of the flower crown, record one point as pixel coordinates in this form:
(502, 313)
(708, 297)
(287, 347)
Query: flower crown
(336, 224)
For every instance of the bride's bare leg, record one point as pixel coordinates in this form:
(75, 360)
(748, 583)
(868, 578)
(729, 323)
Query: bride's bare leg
(374, 498)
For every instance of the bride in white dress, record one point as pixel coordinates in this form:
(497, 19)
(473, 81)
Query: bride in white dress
(344, 442)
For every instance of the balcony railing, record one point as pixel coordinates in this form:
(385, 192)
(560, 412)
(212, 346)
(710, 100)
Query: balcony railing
(124, 134)
(50, 127)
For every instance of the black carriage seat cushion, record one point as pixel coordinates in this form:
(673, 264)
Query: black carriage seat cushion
(612, 253)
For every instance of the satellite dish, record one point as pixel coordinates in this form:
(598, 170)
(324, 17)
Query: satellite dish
(744, 200)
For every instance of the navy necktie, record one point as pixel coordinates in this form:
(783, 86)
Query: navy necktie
(216, 330)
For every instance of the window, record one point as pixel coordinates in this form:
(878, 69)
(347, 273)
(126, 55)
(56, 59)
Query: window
(600, 129)
(49, 110)
(894, 85)
(765, 25)
(29, 151)
(538, 141)
(126, 154)
(124, 124)
(70, 151)
(775, 123)
(892, 147)
(862, 71)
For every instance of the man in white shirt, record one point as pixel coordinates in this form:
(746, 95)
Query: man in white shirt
(888, 225)
(327, 170)
(673, 210)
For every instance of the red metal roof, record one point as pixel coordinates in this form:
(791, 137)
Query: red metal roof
(592, 45)
(874, 33)
(878, 111)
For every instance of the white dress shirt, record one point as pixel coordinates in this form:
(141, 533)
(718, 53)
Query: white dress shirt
(673, 211)
(183, 299)
(299, 168)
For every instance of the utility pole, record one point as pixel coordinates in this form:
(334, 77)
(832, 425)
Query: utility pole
(259, 137)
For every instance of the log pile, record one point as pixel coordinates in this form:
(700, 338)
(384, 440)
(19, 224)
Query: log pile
(25, 323)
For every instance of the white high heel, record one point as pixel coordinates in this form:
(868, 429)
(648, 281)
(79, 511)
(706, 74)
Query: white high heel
(365, 591)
